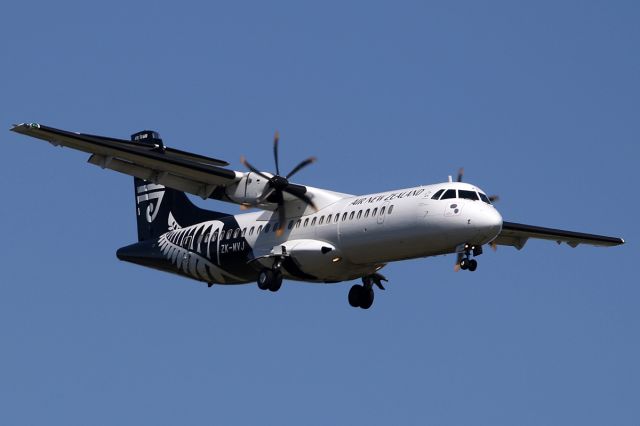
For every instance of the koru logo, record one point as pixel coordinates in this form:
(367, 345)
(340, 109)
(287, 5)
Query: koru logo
(153, 194)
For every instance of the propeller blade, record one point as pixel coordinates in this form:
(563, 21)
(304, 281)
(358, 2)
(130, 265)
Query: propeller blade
(456, 267)
(276, 138)
(301, 196)
(282, 219)
(253, 169)
(302, 164)
(460, 174)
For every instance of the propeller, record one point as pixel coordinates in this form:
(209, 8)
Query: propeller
(277, 185)
(492, 198)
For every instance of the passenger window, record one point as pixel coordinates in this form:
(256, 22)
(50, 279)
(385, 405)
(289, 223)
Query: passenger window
(298, 223)
(229, 233)
(390, 209)
(214, 237)
(468, 195)
(267, 227)
(321, 220)
(244, 232)
(236, 233)
(344, 216)
(335, 220)
(359, 214)
(290, 224)
(206, 238)
(382, 211)
(437, 194)
(351, 215)
(373, 213)
(366, 214)
(484, 198)
(306, 222)
(259, 229)
(251, 230)
(313, 221)
(450, 193)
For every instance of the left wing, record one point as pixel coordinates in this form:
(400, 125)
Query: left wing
(517, 234)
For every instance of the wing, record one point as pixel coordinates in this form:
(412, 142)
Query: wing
(195, 174)
(517, 234)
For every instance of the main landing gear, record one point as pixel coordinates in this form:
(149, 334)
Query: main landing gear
(464, 260)
(361, 296)
(271, 279)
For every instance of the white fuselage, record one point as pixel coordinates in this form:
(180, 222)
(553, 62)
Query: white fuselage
(352, 237)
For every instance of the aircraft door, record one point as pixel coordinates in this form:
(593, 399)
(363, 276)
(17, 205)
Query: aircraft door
(383, 212)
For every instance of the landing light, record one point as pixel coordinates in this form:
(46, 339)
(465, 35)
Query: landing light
(336, 259)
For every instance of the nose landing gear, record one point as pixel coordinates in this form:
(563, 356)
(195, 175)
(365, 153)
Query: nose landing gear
(464, 261)
(361, 296)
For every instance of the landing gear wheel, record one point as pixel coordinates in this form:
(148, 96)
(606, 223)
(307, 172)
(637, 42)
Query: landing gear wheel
(366, 298)
(464, 264)
(276, 283)
(265, 279)
(361, 296)
(354, 295)
(473, 265)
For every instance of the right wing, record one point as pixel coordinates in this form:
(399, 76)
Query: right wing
(517, 234)
(195, 174)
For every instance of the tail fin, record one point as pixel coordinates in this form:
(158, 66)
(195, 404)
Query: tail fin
(160, 209)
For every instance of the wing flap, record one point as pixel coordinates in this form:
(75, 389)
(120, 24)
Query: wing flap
(517, 234)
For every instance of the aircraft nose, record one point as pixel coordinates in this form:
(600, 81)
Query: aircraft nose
(489, 220)
(493, 222)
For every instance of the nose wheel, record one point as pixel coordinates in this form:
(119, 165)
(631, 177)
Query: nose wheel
(362, 295)
(464, 259)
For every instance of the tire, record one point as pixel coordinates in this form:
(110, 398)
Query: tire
(366, 298)
(265, 279)
(464, 264)
(473, 265)
(276, 282)
(354, 295)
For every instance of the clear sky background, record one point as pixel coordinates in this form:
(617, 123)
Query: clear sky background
(539, 101)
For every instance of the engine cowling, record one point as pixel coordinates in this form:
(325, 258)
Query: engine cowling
(313, 257)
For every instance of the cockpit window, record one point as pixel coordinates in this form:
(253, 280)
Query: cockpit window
(450, 193)
(484, 198)
(437, 194)
(468, 195)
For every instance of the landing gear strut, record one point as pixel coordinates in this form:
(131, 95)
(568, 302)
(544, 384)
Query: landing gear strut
(464, 260)
(361, 296)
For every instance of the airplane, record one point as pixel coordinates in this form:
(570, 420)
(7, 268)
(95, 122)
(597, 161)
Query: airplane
(299, 232)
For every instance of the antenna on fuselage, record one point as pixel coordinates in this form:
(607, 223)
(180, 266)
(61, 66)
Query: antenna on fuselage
(450, 178)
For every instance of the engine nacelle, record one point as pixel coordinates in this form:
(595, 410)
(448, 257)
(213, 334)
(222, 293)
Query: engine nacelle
(247, 189)
(312, 257)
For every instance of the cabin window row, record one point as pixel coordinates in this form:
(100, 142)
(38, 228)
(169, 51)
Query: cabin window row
(322, 220)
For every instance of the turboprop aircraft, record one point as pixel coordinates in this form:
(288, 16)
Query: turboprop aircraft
(298, 232)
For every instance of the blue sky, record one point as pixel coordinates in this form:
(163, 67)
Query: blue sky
(538, 101)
